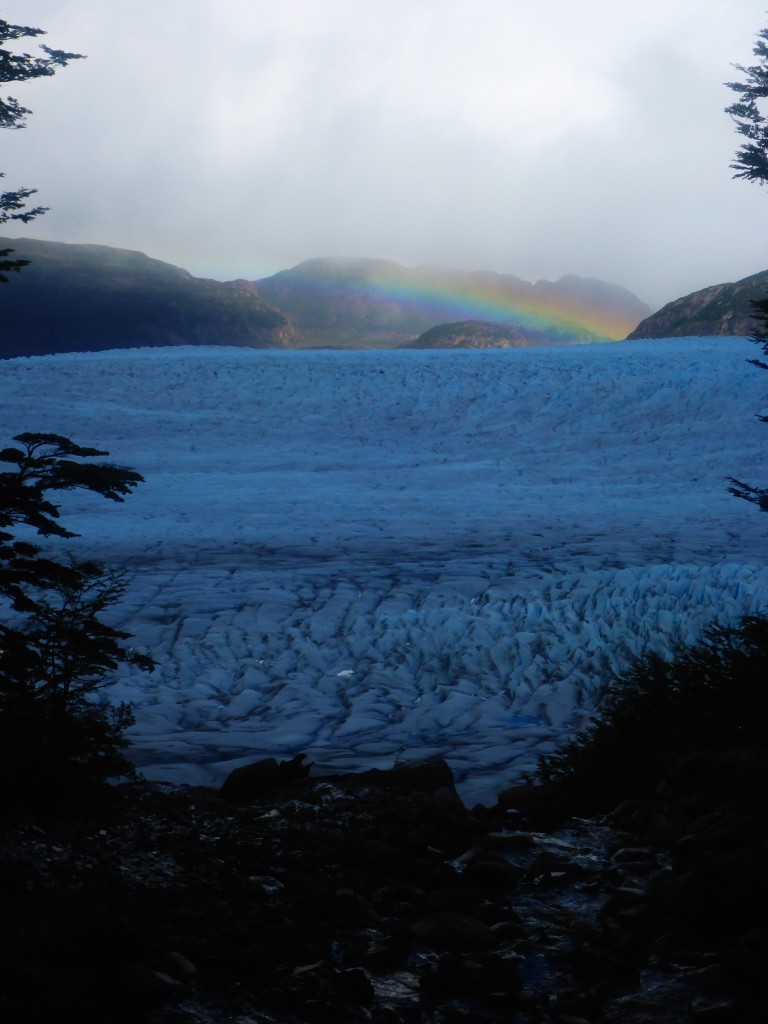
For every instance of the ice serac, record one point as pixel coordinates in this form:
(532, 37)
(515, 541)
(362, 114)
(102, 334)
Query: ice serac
(717, 311)
(91, 298)
(380, 557)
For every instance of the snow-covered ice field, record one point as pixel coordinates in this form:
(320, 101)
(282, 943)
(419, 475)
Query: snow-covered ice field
(371, 556)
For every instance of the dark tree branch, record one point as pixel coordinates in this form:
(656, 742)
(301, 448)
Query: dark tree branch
(21, 67)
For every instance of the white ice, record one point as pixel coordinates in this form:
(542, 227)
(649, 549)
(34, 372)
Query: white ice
(371, 556)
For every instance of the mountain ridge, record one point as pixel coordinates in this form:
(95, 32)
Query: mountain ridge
(365, 302)
(89, 297)
(715, 311)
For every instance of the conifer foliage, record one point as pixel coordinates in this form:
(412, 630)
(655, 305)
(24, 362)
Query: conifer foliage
(708, 699)
(747, 111)
(750, 115)
(56, 651)
(21, 67)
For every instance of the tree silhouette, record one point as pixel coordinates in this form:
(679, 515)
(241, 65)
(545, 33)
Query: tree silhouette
(751, 161)
(21, 67)
(55, 649)
(750, 115)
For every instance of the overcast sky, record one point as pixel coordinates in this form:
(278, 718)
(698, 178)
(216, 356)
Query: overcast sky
(236, 138)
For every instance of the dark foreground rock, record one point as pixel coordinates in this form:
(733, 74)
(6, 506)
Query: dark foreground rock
(377, 898)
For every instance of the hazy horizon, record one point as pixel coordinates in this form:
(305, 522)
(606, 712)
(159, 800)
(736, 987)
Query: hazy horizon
(238, 139)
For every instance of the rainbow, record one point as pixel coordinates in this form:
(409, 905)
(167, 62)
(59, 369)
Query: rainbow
(541, 307)
(571, 309)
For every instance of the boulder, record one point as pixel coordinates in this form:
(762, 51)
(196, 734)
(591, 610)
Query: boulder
(253, 780)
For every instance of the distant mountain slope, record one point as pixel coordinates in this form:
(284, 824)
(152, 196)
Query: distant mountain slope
(478, 334)
(376, 303)
(86, 298)
(721, 309)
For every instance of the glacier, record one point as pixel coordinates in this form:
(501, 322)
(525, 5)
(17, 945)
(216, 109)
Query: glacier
(372, 556)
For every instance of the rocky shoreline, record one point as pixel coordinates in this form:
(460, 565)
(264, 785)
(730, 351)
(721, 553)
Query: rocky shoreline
(379, 897)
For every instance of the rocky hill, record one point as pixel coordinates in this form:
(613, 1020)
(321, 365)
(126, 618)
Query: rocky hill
(478, 334)
(88, 298)
(721, 309)
(366, 303)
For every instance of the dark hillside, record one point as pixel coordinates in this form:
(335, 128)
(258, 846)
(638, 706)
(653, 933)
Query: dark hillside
(89, 298)
(371, 303)
(479, 334)
(719, 310)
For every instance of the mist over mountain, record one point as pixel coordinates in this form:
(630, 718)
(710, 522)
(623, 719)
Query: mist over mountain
(353, 303)
(84, 298)
(720, 309)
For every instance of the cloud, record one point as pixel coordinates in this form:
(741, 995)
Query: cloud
(236, 138)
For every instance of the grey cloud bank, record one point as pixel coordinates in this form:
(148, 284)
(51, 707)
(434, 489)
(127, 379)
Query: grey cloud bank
(238, 138)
